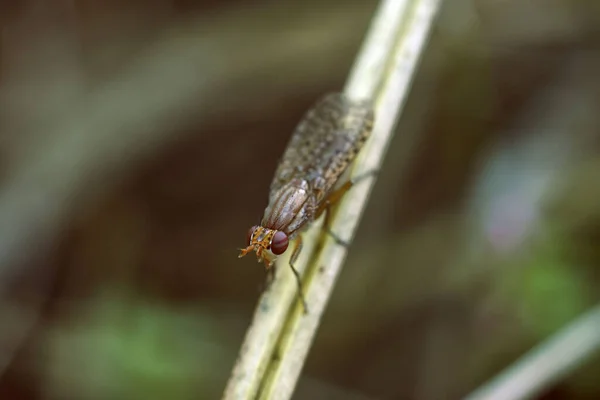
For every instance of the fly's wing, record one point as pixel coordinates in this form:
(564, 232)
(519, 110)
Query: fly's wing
(325, 142)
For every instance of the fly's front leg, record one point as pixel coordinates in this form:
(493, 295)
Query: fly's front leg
(270, 277)
(293, 258)
(334, 197)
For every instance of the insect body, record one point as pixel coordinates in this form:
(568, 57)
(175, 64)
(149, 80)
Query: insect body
(321, 148)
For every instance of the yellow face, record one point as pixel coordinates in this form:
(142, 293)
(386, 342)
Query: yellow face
(267, 243)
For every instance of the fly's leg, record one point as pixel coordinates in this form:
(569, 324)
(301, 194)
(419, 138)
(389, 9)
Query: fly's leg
(293, 258)
(334, 197)
(270, 278)
(326, 208)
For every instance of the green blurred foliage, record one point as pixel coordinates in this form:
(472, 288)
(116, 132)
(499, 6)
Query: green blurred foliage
(122, 347)
(550, 291)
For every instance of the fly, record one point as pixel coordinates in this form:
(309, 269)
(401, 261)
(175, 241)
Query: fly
(305, 184)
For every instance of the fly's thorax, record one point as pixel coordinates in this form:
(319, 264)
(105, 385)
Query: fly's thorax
(288, 207)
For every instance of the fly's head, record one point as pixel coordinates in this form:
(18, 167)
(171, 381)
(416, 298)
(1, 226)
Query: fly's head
(266, 243)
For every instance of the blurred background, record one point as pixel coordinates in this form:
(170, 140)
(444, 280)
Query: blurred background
(137, 144)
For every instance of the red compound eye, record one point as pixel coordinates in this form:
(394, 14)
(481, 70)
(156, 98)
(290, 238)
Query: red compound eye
(279, 244)
(249, 234)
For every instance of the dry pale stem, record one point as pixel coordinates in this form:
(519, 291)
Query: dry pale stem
(547, 363)
(192, 71)
(280, 336)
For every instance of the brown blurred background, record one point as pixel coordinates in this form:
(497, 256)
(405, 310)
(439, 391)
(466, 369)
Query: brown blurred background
(137, 143)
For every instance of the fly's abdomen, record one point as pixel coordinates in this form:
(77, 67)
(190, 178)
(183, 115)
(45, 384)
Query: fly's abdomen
(326, 141)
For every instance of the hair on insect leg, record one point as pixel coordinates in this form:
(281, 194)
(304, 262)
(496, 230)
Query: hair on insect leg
(370, 173)
(334, 197)
(336, 238)
(330, 232)
(293, 258)
(300, 292)
(266, 284)
(270, 278)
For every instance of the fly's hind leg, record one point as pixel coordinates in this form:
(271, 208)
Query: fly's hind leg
(334, 197)
(293, 258)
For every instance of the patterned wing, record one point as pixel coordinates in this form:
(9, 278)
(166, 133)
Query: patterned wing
(325, 141)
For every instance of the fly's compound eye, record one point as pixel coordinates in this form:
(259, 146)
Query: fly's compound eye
(279, 244)
(250, 233)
